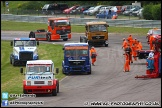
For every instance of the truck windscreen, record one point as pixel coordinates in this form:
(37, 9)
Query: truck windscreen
(24, 43)
(38, 68)
(94, 28)
(62, 23)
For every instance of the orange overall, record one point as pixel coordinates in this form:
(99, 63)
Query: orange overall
(134, 52)
(135, 41)
(124, 45)
(126, 64)
(151, 40)
(93, 52)
(139, 46)
(130, 40)
(130, 53)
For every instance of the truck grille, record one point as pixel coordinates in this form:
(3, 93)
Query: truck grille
(26, 55)
(76, 63)
(98, 37)
(40, 35)
(63, 36)
(38, 82)
(63, 32)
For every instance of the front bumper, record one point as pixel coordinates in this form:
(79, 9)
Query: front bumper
(39, 89)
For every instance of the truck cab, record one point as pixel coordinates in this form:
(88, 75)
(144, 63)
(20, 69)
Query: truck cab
(24, 49)
(97, 33)
(40, 78)
(76, 58)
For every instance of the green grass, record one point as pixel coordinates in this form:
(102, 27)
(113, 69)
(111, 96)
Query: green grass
(11, 78)
(25, 26)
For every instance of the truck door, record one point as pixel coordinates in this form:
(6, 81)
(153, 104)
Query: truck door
(51, 26)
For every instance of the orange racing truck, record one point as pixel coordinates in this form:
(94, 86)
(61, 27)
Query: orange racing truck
(58, 28)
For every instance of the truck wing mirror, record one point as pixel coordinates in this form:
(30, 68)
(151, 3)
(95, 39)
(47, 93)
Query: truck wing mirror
(37, 42)
(11, 43)
(57, 70)
(21, 70)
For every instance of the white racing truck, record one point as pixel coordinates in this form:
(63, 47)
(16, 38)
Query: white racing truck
(40, 78)
(23, 49)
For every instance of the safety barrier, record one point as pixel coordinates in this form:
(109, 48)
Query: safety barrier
(82, 21)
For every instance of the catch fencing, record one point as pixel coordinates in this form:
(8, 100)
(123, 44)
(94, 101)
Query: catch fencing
(82, 21)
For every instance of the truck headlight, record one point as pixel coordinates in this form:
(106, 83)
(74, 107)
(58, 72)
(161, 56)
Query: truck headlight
(49, 82)
(35, 57)
(28, 82)
(15, 57)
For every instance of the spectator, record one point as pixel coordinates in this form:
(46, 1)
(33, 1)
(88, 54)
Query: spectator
(115, 10)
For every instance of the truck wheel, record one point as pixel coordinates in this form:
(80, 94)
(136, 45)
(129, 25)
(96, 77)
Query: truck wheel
(106, 45)
(54, 92)
(83, 39)
(57, 86)
(63, 71)
(24, 91)
(11, 59)
(49, 38)
(65, 39)
(31, 34)
(89, 71)
(13, 62)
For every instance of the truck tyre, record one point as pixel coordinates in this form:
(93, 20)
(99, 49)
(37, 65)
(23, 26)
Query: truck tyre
(83, 39)
(106, 45)
(63, 71)
(24, 91)
(13, 62)
(11, 59)
(49, 38)
(57, 86)
(89, 71)
(54, 92)
(31, 34)
(65, 39)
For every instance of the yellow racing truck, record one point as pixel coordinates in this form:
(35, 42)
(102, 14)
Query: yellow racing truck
(96, 33)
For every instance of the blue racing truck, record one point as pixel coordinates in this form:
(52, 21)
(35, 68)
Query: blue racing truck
(24, 49)
(76, 58)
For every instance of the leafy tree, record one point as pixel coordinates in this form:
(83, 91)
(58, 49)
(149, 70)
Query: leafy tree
(147, 12)
(4, 3)
(156, 12)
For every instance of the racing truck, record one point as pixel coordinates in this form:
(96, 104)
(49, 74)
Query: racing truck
(24, 49)
(58, 29)
(96, 33)
(153, 65)
(40, 78)
(76, 58)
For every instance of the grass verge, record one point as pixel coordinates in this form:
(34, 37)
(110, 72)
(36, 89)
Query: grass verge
(25, 26)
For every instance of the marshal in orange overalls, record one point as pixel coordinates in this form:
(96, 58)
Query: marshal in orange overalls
(151, 40)
(126, 64)
(93, 55)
